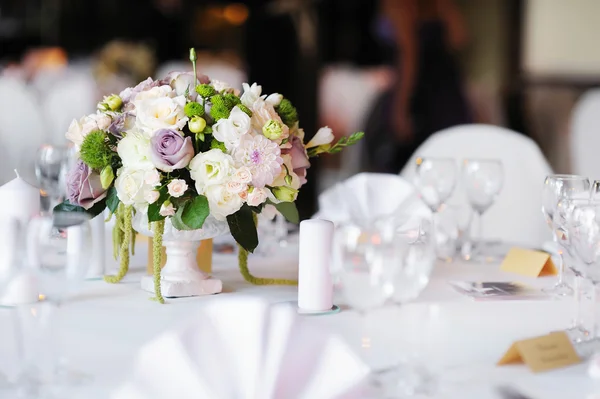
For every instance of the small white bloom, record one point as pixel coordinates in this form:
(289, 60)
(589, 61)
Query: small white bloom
(243, 175)
(274, 99)
(211, 168)
(167, 210)
(134, 151)
(324, 136)
(251, 94)
(183, 82)
(262, 113)
(177, 187)
(79, 129)
(235, 187)
(151, 196)
(257, 196)
(219, 85)
(221, 202)
(229, 131)
(131, 186)
(152, 178)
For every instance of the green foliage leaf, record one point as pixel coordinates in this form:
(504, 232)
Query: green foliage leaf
(289, 211)
(195, 212)
(243, 229)
(154, 209)
(112, 199)
(94, 211)
(176, 220)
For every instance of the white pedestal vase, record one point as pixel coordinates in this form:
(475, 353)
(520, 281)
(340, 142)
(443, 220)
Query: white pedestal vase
(181, 276)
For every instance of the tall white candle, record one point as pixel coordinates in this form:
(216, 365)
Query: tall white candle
(19, 199)
(315, 288)
(98, 250)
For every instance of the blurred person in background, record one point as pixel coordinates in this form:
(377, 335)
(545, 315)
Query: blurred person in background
(428, 92)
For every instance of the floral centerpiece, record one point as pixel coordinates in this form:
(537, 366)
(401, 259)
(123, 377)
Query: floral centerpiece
(186, 148)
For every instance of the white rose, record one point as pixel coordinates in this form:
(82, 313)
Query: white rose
(177, 187)
(274, 99)
(153, 93)
(221, 202)
(210, 168)
(134, 151)
(219, 85)
(131, 187)
(263, 112)
(167, 210)
(152, 178)
(184, 82)
(251, 94)
(79, 129)
(257, 196)
(235, 187)
(243, 175)
(166, 112)
(151, 196)
(229, 131)
(324, 136)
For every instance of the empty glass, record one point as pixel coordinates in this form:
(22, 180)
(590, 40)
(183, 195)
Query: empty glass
(483, 180)
(51, 167)
(435, 179)
(559, 188)
(58, 251)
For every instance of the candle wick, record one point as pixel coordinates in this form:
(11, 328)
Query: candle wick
(17, 173)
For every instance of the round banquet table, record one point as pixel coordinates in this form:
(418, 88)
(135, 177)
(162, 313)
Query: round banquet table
(102, 327)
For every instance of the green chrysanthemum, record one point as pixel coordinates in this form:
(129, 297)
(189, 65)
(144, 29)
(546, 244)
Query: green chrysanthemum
(245, 109)
(205, 90)
(287, 112)
(235, 100)
(95, 151)
(193, 109)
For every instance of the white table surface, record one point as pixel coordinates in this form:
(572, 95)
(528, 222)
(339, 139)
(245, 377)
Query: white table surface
(103, 326)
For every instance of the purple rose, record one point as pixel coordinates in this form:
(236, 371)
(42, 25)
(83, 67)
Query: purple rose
(121, 123)
(170, 151)
(300, 160)
(83, 186)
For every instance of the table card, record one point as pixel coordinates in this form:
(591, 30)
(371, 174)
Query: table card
(543, 353)
(528, 263)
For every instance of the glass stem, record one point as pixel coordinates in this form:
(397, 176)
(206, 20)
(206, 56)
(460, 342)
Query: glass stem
(596, 298)
(577, 302)
(561, 262)
(479, 234)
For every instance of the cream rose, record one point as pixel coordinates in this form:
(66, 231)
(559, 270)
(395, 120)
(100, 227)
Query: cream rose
(177, 187)
(257, 196)
(167, 210)
(134, 151)
(152, 178)
(151, 196)
(79, 129)
(221, 202)
(229, 131)
(242, 175)
(235, 187)
(155, 111)
(213, 167)
(131, 186)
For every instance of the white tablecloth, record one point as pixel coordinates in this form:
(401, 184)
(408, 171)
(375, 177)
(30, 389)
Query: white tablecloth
(104, 325)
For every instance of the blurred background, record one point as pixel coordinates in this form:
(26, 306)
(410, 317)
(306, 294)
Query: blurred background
(397, 69)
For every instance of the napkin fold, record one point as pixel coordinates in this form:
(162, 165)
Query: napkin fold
(245, 348)
(368, 197)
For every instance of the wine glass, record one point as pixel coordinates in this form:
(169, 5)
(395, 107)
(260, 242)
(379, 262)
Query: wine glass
(483, 180)
(58, 252)
(584, 229)
(51, 166)
(557, 188)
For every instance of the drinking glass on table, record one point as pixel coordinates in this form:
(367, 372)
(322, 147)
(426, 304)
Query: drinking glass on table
(58, 252)
(380, 268)
(559, 188)
(483, 180)
(51, 166)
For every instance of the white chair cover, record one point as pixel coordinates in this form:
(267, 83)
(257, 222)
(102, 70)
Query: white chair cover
(516, 216)
(73, 98)
(585, 135)
(22, 130)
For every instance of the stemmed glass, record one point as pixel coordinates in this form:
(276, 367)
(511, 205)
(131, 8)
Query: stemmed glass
(435, 179)
(387, 265)
(51, 166)
(483, 180)
(559, 188)
(58, 251)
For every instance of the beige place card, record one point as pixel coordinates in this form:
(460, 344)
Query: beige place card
(542, 353)
(528, 263)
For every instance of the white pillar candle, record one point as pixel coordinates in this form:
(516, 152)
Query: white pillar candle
(19, 199)
(98, 250)
(315, 288)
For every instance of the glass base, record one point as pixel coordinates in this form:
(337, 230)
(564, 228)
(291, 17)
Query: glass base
(578, 334)
(559, 289)
(404, 380)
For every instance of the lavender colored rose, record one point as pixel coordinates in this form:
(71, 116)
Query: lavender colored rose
(169, 150)
(300, 160)
(121, 123)
(84, 187)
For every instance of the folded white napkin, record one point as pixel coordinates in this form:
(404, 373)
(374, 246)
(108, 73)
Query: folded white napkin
(367, 197)
(245, 348)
